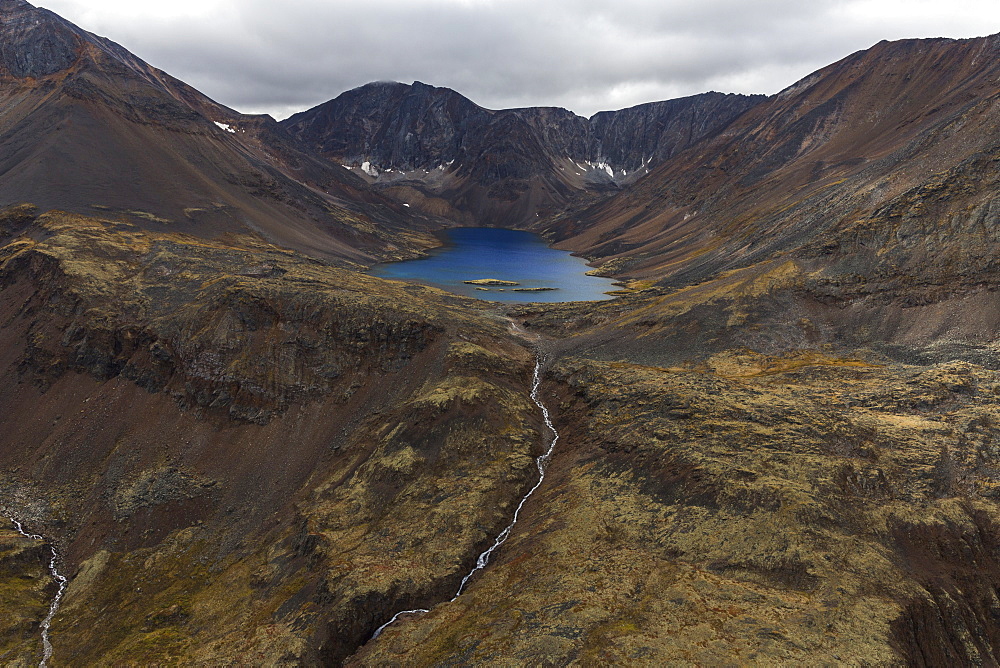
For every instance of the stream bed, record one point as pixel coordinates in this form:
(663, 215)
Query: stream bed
(54, 606)
(541, 463)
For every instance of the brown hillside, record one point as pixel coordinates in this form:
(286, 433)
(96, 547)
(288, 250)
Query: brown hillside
(845, 145)
(88, 127)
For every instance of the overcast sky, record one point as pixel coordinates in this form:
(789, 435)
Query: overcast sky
(283, 56)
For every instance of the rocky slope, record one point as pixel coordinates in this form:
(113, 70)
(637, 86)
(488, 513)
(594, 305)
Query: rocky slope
(88, 127)
(245, 454)
(439, 151)
(757, 510)
(897, 139)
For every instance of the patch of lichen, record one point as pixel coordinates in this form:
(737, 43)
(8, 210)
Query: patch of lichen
(458, 390)
(749, 364)
(723, 515)
(401, 413)
(25, 593)
(175, 604)
(726, 290)
(183, 313)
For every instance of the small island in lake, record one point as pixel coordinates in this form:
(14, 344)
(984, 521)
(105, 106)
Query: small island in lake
(532, 289)
(490, 281)
(487, 262)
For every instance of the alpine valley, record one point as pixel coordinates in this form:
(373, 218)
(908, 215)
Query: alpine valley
(778, 444)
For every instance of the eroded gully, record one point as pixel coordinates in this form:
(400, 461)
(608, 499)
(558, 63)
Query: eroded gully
(541, 462)
(54, 606)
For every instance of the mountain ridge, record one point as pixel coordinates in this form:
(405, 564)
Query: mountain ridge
(829, 135)
(91, 128)
(501, 167)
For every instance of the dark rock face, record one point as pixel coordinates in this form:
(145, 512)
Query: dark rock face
(36, 42)
(401, 127)
(392, 125)
(481, 160)
(649, 134)
(953, 618)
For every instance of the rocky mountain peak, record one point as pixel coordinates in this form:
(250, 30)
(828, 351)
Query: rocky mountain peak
(394, 125)
(423, 138)
(35, 42)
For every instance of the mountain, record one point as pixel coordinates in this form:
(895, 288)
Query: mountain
(894, 133)
(441, 152)
(88, 127)
(777, 445)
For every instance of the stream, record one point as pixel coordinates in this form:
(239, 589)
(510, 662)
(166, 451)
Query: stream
(541, 462)
(54, 606)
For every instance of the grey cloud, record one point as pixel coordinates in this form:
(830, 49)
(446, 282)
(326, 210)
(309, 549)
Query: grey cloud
(581, 54)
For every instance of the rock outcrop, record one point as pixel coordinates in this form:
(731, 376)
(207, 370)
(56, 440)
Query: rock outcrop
(433, 147)
(246, 453)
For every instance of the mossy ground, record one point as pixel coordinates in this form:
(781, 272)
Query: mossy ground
(26, 589)
(714, 518)
(248, 455)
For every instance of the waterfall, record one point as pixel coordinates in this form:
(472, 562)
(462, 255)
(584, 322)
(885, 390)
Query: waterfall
(54, 606)
(541, 463)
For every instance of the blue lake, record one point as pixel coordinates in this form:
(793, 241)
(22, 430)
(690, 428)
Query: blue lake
(473, 253)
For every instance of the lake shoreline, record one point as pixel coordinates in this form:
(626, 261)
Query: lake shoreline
(501, 265)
